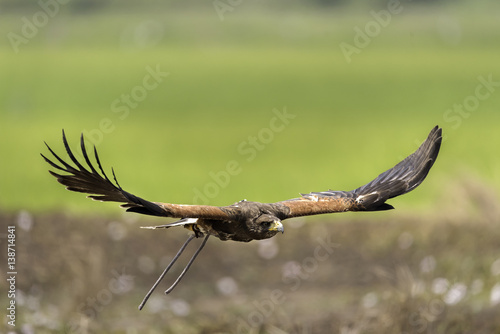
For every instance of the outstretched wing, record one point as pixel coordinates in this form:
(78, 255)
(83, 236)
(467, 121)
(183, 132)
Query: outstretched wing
(100, 187)
(400, 179)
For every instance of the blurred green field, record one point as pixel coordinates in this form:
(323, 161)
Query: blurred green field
(402, 271)
(352, 121)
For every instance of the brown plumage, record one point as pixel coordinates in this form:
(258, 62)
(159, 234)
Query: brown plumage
(245, 221)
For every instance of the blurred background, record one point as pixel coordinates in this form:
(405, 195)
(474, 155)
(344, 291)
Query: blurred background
(301, 96)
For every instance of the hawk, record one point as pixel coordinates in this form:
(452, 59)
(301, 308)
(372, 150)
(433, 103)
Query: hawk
(246, 220)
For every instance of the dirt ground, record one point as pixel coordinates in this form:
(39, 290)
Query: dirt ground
(336, 274)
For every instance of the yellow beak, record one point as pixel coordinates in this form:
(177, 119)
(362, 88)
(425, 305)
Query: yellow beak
(277, 226)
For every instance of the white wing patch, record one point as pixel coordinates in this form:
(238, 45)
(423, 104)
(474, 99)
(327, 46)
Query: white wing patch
(313, 198)
(359, 199)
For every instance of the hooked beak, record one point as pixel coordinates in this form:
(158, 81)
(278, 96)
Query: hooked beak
(277, 226)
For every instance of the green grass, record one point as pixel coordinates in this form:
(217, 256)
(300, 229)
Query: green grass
(352, 121)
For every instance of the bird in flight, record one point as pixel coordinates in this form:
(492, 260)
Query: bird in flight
(245, 220)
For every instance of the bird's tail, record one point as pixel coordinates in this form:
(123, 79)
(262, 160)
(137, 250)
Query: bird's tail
(186, 222)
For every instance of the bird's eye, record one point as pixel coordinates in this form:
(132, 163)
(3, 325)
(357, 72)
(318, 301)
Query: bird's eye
(266, 224)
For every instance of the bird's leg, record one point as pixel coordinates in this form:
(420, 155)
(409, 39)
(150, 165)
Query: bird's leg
(191, 237)
(188, 265)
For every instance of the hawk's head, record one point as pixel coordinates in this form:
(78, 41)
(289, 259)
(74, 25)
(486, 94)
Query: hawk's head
(266, 226)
